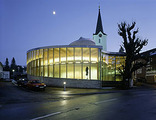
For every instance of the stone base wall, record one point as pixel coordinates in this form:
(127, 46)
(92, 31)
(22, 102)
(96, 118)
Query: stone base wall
(150, 79)
(75, 83)
(111, 83)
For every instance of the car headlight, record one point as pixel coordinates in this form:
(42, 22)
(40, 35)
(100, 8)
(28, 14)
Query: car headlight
(44, 85)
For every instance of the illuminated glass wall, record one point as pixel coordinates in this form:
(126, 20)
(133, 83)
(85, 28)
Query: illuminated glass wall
(110, 67)
(70, 62)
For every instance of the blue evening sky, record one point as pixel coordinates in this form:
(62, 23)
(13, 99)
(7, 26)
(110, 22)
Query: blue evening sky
(27, 24)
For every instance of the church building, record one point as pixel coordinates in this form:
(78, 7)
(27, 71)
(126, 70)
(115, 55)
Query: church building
(100, 37)
(84, 63)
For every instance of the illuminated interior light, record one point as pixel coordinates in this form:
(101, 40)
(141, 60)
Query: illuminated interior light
(70, 58)
(94, 59)
(63, 58)
(51, 60)
(56, 59)
(77, 62)
(86, 58)
(77, 58)
(45, 62)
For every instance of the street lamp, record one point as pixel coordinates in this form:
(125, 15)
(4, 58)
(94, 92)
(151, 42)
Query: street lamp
(64, 84)
(13, 73)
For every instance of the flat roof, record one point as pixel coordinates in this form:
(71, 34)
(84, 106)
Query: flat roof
(114, 53)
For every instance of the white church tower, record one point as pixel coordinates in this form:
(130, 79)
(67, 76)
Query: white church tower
(100, 37)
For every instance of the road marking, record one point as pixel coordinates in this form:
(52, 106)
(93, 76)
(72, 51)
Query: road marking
(46, 116)
(109, 100)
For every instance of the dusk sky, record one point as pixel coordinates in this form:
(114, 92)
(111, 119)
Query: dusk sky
(27, 24)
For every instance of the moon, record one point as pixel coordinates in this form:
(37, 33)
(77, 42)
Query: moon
(54, 12)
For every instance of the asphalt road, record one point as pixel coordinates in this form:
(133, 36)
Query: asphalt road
(22, 104)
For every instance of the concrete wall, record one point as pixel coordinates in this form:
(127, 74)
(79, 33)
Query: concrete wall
(75, 83)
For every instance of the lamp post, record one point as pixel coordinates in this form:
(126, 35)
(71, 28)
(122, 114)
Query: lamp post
(64, 84)
(13, 73)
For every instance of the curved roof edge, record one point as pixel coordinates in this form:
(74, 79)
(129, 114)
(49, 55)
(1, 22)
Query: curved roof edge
(65, 46)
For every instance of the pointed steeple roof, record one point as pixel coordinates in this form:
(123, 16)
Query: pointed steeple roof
(99, 24)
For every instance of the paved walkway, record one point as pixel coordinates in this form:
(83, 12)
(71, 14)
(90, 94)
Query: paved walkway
(79, 91)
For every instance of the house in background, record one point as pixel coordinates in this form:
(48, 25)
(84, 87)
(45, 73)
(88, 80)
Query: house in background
(4, 74)
(1, 70)
(148, 73)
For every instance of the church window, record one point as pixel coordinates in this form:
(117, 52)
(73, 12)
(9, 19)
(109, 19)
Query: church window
(99, 41)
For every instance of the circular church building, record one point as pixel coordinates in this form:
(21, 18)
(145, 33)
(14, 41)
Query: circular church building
(77, 64)
(83, 63)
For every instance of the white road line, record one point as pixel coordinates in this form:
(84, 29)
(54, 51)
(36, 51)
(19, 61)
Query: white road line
(46, 116)
(109, 100)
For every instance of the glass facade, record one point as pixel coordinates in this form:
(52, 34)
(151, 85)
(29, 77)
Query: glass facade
(75, 63)
(64, 62)
(110, 66)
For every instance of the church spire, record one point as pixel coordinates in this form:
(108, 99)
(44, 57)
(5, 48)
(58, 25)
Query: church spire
(100, 37)
(99, 24)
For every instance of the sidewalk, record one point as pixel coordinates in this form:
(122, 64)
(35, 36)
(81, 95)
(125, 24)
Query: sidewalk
(80, 91)
(149, 85)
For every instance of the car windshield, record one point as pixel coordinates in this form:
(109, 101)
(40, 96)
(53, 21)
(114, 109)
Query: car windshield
(35, 81)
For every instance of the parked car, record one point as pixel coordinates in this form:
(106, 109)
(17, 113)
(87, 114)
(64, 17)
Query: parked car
(22, 82)
(36, 84)
(14, 81)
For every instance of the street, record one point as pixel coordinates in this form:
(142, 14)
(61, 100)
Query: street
(18, 103)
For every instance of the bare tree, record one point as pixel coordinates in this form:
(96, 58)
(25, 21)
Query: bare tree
(132, 46)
